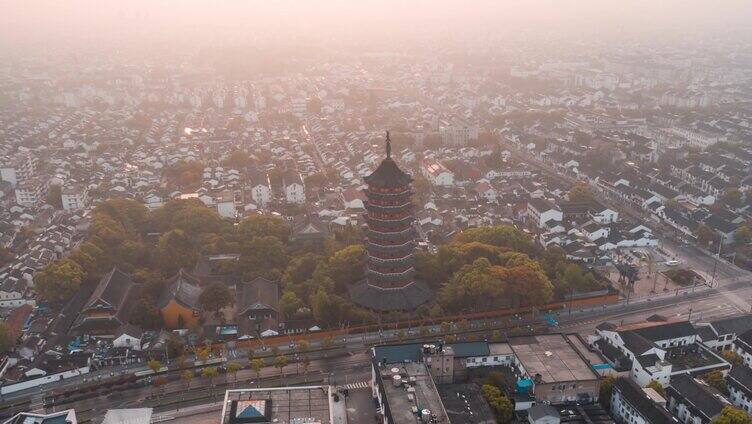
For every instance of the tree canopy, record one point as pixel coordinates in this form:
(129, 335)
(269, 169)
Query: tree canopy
(731, 415)
(581, 193)
(7, 339)
(215, 297)
(59, 280)
(481, 268)
(500, 236)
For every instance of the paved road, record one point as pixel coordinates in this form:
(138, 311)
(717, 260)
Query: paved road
(349, 361)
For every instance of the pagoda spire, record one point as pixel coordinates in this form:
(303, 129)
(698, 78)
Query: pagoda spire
(388, 146)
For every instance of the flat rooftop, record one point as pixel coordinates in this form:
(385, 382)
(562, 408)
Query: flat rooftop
(500, 349)
(293, 405)
(553, 357)
(465, 405)
(591, 355)
(418, 385)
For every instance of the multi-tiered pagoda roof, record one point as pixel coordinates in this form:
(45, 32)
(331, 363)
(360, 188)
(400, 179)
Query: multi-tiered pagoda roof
(389, 282)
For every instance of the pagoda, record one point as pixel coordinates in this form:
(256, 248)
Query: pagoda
(389, 282)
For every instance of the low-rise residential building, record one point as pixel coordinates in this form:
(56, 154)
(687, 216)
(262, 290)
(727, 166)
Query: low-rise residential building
(739, 383)
(437, 173)
(541, 211)
(630, 404)
(692, 402)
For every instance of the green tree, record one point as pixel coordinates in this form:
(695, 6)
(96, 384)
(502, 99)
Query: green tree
(175, 348)
(187, 376)
(732, 358)
(211, 373)
(525, 284)
(304, 346)
(196, 218)
(257, 365)
(500, 404)
(500, 236)
(184, 174)
(263, 226)
(554, 258)
(422, 189)
(329, 309)
(92, 258)
(281, 362)
(704, 234)
(145, 315)
(326, 343)
(655, 385)
(263, 256)
(54, 196)
(130, 214)
(429, 270)
(154, 365)
(300, 269)
(202, 354)
(7, 339)
(290, 303)
(732, 196)
(59, 280)
(215, 297)
(607, 388)
(581, 193)
(346, 267)
(731, 415)
(233, 368)
(743, 235)
(472, 287)
(175, 250)
(715, 379)
(455, 255)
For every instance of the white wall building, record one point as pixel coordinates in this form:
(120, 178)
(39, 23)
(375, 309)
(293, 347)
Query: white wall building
(436, 173)
(458, 133)
(74, 197)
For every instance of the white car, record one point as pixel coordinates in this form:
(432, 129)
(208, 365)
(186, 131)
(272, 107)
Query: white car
(672, 263)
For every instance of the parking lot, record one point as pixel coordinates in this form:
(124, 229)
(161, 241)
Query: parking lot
(650, 262)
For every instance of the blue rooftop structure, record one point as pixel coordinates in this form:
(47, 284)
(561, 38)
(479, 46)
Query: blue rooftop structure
(470, 349)
(399, 353)
(524, 385)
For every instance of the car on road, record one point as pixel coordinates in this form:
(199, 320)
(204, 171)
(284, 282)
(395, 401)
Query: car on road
(672, 262)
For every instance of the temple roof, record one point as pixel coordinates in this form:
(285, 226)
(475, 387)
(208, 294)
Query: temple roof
(183, 288)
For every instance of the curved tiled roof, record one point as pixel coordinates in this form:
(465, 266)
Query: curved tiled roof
(388, 174)
(402, 299)
(184, 288)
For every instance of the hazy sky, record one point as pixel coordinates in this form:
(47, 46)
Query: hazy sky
(49, 22)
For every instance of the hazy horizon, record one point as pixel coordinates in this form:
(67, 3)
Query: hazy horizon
(110, 24)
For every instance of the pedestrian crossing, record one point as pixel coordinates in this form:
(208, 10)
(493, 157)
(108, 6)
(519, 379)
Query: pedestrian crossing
(356, 386)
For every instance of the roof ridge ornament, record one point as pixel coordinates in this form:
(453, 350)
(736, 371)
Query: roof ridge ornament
(388, 146)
